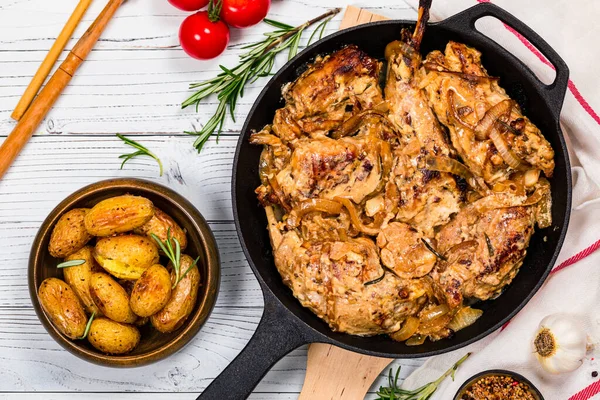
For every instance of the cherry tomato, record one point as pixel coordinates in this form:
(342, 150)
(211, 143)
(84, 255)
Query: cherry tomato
(189, 5)
(202, 38)
(244, 13)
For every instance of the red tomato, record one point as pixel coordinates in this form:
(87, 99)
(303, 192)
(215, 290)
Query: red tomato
(244, 13)
(201, 38)
(189, 5)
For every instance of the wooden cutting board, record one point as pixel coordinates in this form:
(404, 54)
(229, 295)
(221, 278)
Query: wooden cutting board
(333, 373)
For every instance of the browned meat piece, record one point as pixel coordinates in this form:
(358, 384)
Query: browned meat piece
(426, 198)
(484, 251)
(332, 280)
(327, 168)
(403, 251)
(462, 93)
(333, 87)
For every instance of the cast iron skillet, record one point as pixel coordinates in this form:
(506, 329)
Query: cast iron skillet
(285, 324)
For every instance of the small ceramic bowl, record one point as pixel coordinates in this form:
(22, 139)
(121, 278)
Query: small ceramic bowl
(154, 346)
(498, 372)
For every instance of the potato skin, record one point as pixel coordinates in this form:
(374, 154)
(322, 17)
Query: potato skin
(151, 292)
(182, 301)
(127, 256)
(69, 233)
(159, 225)
(110, 298)
(113, 337)
(118, 214)
(61, 305)
(78, 277)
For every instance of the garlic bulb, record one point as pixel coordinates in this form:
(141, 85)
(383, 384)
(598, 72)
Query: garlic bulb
(560, 343)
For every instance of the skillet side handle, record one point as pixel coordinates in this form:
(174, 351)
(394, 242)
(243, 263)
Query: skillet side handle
(278, 333)
(553, 93)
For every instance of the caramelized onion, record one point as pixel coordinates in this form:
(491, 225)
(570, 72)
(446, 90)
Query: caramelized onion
(279, 193)
(434, 313)
(482, 130)
(469, 77)
(387, 160)
(447, 164)
(531, 177)
(466, 316)
(462, 246)
(311, 205)
(454, 115)
(544, 207)
(505, 152)
(409, 328)
(352, 124)
(265, 138)
(416, 340)
(354, 217)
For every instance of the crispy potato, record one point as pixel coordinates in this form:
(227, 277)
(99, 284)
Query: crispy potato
(113, 337)
(69, 233)
(151, 292)
(110, 298)
(127, 256)
(78, 277)
(160, 225)
(182, 301)
(61, 305)
(118, 214)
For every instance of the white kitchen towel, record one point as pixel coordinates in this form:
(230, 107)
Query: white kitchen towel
(572, 29)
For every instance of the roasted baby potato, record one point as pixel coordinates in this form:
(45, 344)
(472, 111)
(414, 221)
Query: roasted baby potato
(110, 298)
(161, 224)
(113, 337)
(78, 277)
(151, 292)
(182, 301)
(127, 256)
(63, 308)
(69, 233)
(118, 214)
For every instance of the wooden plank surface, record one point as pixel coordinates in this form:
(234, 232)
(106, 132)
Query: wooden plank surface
(132, 83)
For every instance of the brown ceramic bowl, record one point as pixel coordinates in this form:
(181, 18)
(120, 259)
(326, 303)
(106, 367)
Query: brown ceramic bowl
(154, 345)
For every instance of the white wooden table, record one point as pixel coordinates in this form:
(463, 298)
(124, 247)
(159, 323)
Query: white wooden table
(132, 83)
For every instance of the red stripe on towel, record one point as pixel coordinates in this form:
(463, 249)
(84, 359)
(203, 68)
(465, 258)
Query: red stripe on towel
(578, 257)
(588, 392)
(586, 106)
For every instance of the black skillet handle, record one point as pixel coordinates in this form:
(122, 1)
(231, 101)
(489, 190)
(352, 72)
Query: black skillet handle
(553, 93)
(278, 333)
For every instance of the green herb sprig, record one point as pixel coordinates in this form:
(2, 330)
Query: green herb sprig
(87, 326)
(174, 255)
(257, 62)
(70, 263)
(141, 151)
(393, 392)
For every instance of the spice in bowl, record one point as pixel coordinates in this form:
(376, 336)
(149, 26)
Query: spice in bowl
(498, 385)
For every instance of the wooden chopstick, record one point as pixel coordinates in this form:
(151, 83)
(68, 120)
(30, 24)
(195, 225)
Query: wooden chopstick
(51, 57)
(17, 139)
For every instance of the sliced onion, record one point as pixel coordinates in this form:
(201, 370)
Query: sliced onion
(512, 186)
(416, 340)
(505, 152)
(482, 130)
(279, 193)
(372, 231)
(352, 124)
(447, 164)
(311, 205)
(469, 77)
(531, 177)
(387, 160)
(462, 246)
(544, 207)
(433, 313)
(464, 317)
(455, 117)
(342, 234)
(408, 329)
(265, 138)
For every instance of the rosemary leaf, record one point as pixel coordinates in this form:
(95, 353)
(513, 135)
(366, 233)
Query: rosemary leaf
(257, 62)
(434, 251)
(141, 151)
(88, 326)
(71, 263)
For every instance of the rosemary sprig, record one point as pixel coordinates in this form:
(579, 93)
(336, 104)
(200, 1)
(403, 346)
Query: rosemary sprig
(257, 62)
(141, 151)
(434, 251)
(174, 255)
(87, 327)
(393, 392)
(70, 263)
